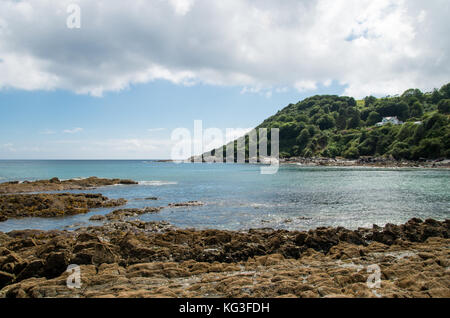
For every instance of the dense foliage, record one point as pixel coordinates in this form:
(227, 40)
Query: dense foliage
(332, 126)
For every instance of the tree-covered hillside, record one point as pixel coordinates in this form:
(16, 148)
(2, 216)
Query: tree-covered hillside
(333, 126)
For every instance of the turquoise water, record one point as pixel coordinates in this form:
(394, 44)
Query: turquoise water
(239, 197)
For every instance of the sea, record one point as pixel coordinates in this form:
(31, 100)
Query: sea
(239, 197)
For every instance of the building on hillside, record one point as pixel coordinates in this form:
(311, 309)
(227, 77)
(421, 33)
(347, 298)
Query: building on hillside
(389, 120)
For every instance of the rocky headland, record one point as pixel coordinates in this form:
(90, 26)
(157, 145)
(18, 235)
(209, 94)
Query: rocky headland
(55, 184)
(129, 258)
(376, 162)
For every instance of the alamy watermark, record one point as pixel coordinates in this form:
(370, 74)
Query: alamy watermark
(74, 279)
(73, 21)
(205, 145)
(374, 279)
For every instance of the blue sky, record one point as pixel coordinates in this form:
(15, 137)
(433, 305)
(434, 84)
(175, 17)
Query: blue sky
(82, 79)
(64, 125)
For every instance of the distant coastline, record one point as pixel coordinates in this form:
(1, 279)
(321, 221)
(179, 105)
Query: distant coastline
(381, 162)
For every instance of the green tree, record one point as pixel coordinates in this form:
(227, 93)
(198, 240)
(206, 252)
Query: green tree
(445, 91)
(341, 122)
(393, 107)
(303, 138)
(307, 153)
(369, 100)
(428, 148)
(355, 120)
(288, 130)
(302, 118)
(373, 118)
(435, 96)
(401, 151)
(326, 122)
(315, 110)
(413, 93)
(352, 153)
(444, 106)
(416, 110)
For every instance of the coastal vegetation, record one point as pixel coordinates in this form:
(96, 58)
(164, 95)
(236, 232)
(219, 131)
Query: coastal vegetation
(337, 126)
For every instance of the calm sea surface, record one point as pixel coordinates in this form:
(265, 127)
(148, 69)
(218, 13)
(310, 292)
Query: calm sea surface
(239, 197)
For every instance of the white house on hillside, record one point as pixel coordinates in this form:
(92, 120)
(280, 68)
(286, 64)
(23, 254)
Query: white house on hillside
(390, 120)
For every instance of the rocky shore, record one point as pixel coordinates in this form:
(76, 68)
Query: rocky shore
(55, 184)
(381, 162)
(52, 205)
(125, 258)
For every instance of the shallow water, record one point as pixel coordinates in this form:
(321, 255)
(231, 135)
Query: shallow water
(239, 197)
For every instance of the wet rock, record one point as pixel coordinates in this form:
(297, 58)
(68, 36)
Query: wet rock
(123, 258)
(322, 239)
(301, 238)
(55, 184)
(345, 251)
(189, 203)
(54, 180)
(53, 205)
(5, 279)
(21, 243)
(87, 237)
(55, 264)
(32, 269)
(97, 218)
(11, 262)
(125, 213)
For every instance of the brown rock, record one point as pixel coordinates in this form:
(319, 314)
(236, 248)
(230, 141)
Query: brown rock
(5, 279)
(52, 205)
(189, 203)
(97, 218)
(55, 184)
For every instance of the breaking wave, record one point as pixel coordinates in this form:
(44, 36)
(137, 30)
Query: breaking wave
(156, 183)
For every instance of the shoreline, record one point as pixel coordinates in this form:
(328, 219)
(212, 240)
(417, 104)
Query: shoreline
(368, 162)
(136, 259)
(126, 257)
(372, 162)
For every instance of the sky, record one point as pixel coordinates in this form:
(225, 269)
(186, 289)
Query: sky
(117, 86)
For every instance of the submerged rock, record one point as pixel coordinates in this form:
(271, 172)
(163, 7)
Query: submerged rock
(189, 203)
(123, 213)
(97, 218)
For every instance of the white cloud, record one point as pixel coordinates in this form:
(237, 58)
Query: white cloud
(8, 147)
(182, 7)
(302, 86)
(372, 47)
(73, 131)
